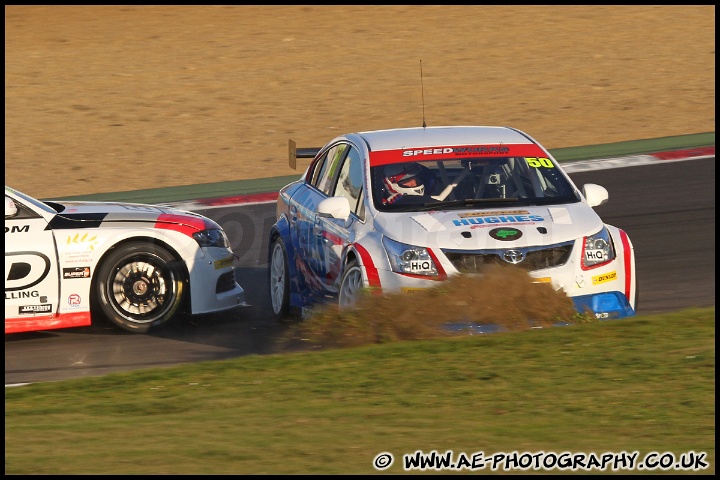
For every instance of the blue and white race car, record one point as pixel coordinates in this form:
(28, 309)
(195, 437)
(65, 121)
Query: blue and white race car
(137, 265)
(401, 209)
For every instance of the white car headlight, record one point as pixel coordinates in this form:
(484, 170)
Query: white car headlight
(211, 238)
(409, 259)
(598, 249)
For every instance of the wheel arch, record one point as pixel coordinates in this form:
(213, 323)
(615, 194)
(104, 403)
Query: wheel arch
(185, 274)
(281, 228)
(364, 258)
(351, 255)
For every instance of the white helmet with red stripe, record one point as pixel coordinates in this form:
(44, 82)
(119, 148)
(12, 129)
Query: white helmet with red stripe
(403, 179)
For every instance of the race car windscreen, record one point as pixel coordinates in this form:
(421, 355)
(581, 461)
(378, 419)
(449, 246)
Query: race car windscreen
(459, 183)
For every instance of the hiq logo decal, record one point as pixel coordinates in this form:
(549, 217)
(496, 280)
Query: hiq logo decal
(505, 234)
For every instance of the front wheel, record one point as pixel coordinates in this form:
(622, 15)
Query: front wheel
(139, 287)
(351, 286)
(280, 282)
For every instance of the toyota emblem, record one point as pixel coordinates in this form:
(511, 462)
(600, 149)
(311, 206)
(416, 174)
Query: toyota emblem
(513, 256)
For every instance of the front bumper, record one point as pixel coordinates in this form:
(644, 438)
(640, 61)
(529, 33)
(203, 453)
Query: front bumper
(213, 287)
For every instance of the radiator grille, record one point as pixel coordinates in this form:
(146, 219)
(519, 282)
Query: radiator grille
(536, 258)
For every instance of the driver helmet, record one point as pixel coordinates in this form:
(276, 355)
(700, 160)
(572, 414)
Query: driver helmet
(403, 179)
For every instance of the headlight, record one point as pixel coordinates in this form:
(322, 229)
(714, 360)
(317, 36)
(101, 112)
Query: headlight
(212, 238)
(409, 259)
(598, 249)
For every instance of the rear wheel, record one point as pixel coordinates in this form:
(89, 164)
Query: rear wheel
(280, 282)
(139, 287)
(351, 286)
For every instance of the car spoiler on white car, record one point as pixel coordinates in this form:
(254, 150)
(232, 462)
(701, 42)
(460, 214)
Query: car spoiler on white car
(294, 153)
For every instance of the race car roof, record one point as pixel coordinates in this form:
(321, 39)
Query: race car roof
(435, 143)
(423, 137)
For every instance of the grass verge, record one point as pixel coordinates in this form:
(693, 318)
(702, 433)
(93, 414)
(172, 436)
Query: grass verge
(642, 384)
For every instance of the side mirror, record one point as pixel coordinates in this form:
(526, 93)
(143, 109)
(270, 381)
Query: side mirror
(595, 194)
(334, 207)
(10, 207)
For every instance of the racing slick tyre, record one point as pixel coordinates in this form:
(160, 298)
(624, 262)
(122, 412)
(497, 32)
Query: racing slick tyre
(280, 283)
(351, 286)
(139, 286)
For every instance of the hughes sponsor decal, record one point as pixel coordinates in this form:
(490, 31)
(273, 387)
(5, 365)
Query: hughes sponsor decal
(76, 272)
(25, 309)
(464, 222)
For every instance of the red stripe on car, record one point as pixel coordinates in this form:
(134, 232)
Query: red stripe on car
(384, 157)
(442, 275)
(47, 322)
(626, 261)
(185, 224)
(370, 269)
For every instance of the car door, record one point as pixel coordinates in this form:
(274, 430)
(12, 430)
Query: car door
(334, 234)
(32, 279)
(309, 258)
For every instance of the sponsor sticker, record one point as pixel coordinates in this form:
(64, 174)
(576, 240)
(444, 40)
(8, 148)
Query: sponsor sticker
(18, 229)
(505, 234)
(76, 272)
(80, 242)
(24, 270)
(226, 262)
(420, 266)
(493, 219)
(25, 309)
(493, 214)
(74, 300)
(606, 277)
(411, 290)
(25, 294)
(542, 280)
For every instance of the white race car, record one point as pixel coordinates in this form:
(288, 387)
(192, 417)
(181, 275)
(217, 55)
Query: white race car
(137, 265)
(400, 209)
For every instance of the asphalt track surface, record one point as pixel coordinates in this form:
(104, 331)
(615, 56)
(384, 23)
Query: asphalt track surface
(667, 209)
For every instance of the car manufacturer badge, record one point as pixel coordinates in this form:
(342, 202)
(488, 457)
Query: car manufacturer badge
(513, 256)
(505, 234)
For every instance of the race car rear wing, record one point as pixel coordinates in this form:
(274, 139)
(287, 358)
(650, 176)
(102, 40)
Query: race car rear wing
(294, 153)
